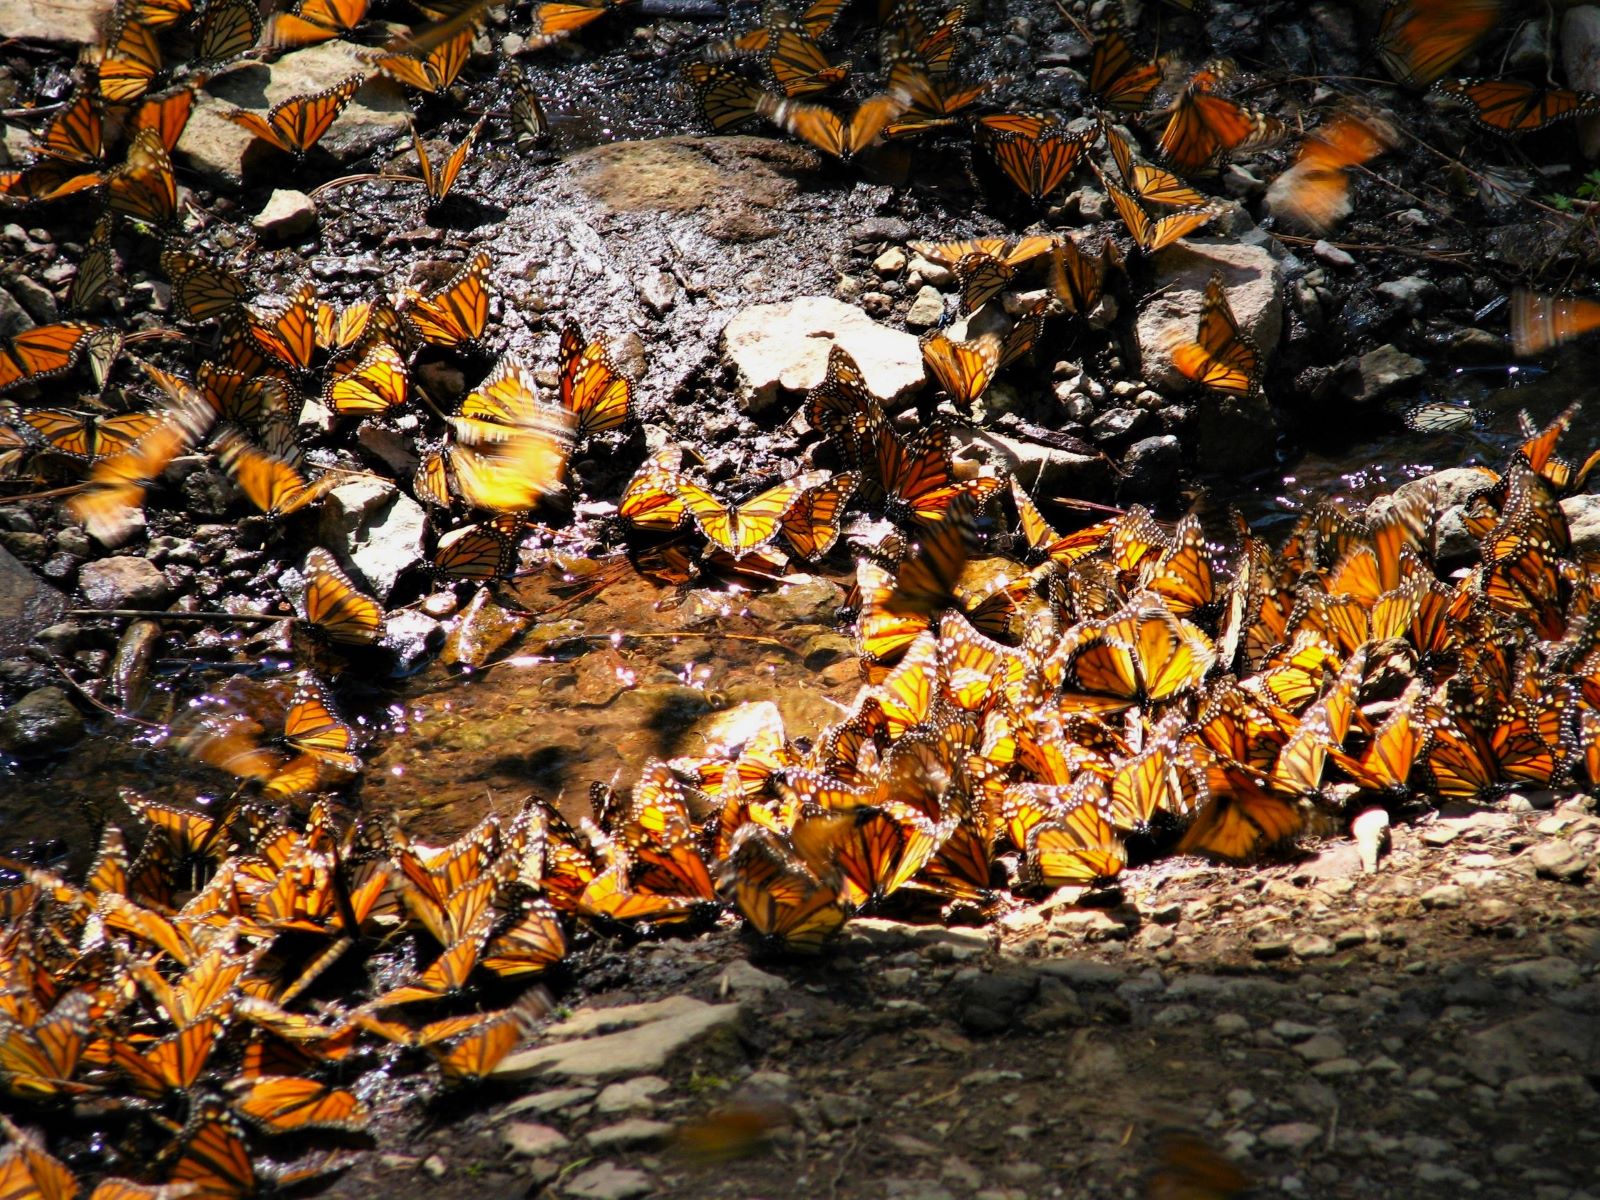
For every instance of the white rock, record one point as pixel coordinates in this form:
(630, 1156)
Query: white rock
(533, 1140)
(382, 530)
(926, 309)
(1254, 282)
(1583, 517)
(629, 1095)
(286, 215)
(1371, 831)
(1580, 54)
(609, 1182)
(54, 20)
(784, 347)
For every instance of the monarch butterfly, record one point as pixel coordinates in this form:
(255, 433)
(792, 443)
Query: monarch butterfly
(530, 127)
(167, 114)
(1192, 1170)
(1512, 108)
(554, 20)
(28, 1170)
(1315, 190)
(1078, 846)
(471, 1057)
(312, 21)
(190, 833)
(816, 21)
(1009, 254)
(90, 438)
(512, 468)
(1152, 184)
(533, 941)
(1077, 279)
(43, 351)
(1419, 40)
(1118, 81)
(311, 725)
(159, 13)
(144, 187)
(963, 369)
(1149, 235)
(914, 477)
(750, 526)
(811, 526)
(651, 501)
(590, 387)
(988, 265)
(826, 129)
(1205, 128)
(1223, 358)
(876, 849)
(376, 384)
(1237, 819)
(130, 61)
(932, 103)
(171, 1064)
(1538, 323)
(434, 71)
(297, 124)
(201, 291)
(212, 1158)
(896, 609)
(485, 551)
(343, 331)
(1142, 653)
(796, 63)
(725, 98)
(229, 29)
(933, 45)
(1184, 575)
(333, 604)
(285, 1104)
(1062, 548)
(1036, 152)
(1145, 785)
(47, 182)
(75, 135)
(774, 890)
(456, 313)
(38, 1061)
(271, 482)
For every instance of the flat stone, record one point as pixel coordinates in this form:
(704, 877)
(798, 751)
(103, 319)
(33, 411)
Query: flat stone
(630, 1094)
(533, 1140)
(124, 581)
(639, 1050)
(926, 309)
(784, 348)
(1082, 972)
(27, 605)
(1293, 1136)
(1312, 945)
(740, 978)
(554, 1100)
(1444, 895)
(77, 21)
(1321, 1047)
(609, 1182)
(635, 1131)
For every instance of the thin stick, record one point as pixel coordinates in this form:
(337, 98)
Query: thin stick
(368, 178)
(71, 489)
(113, 713)
(156, 614)
(1443, 256)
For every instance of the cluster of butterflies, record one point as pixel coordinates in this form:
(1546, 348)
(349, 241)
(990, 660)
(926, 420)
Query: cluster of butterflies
(201, 990)
(1037, 151)
(503, 448)
(1135, 691)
